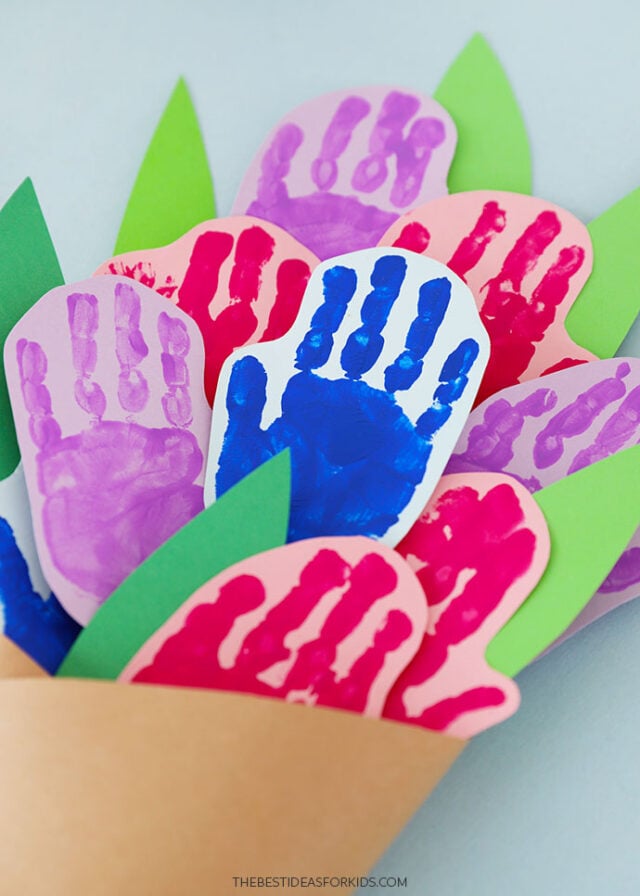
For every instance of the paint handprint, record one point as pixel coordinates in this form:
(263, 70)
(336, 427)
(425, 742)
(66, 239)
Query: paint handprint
(525, 260)
(111, 418)
(328, 622)
(370, 408)
(240, 279)
(478, 550)
(541, 431)
(338, 170)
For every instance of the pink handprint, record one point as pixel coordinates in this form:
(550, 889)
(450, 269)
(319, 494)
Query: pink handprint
(524, 259)
(328, 622)
(478, 550)
(105, 384)
(240, 279)
(338, 170)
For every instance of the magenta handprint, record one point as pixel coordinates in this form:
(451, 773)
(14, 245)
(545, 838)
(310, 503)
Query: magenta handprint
(478, 550)
(338, 170)
(240, 279)
(525, 260)
(328, 622)
(112, 428)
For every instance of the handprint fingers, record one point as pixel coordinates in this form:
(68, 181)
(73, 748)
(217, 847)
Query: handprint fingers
(329, 621)
(479, 548)
(131, 350)
(276, 164)
(349, 113)
(119, 467)
(32, 365)
(240, 279)
(525, 261)
(339, 170)
(347, 396)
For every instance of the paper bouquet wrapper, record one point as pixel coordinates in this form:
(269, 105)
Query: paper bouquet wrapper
(134, 789)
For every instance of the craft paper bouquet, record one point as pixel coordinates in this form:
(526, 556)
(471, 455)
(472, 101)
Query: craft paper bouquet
(370, 545)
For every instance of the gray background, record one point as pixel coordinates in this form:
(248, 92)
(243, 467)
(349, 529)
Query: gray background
(547, 803)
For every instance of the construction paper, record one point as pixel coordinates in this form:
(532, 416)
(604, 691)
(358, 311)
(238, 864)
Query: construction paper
(105, 381)
(29, 614)
(240, 279)
(325, 621)
(591, 515)
(610, 300)
(163, 790)
(16, 664)
(524, 259)
(548, 428)
(28, 268)
(338, 170)
(478, 549)
(251, 518)
(493, 150)
(370, 389)
(173, 190)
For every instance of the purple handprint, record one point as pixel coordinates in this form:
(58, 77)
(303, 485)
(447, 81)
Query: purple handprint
(339, 170)
(117, 467)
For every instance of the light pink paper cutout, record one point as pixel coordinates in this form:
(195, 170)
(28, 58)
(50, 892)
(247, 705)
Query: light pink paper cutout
(326, 621)
(336, 171)
(524, 259)
(479, 548)
(105, 381)
(240, 279)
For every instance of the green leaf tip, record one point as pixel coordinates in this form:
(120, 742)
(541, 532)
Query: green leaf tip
(29, 268)
(591, 515)
(493, 148)
(609, 302)
(173, 191)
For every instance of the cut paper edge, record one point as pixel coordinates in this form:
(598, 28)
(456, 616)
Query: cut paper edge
(609, 302)
(29, 268)
(579, 509)
(493, 150)
(173, 190)
(187, 759)
(251, 518)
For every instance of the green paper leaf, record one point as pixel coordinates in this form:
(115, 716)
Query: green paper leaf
(591, 515)
(173, 191)
(609, 302)
(250, 518)
(28, 269)
(493, 148)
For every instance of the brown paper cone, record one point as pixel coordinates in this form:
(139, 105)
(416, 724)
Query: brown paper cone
(16, 664)
(129, 789)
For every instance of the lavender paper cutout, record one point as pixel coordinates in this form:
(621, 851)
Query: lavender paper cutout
(550, 427)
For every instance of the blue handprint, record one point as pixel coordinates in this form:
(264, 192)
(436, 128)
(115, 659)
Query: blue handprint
(362, 439)
(39, 627)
